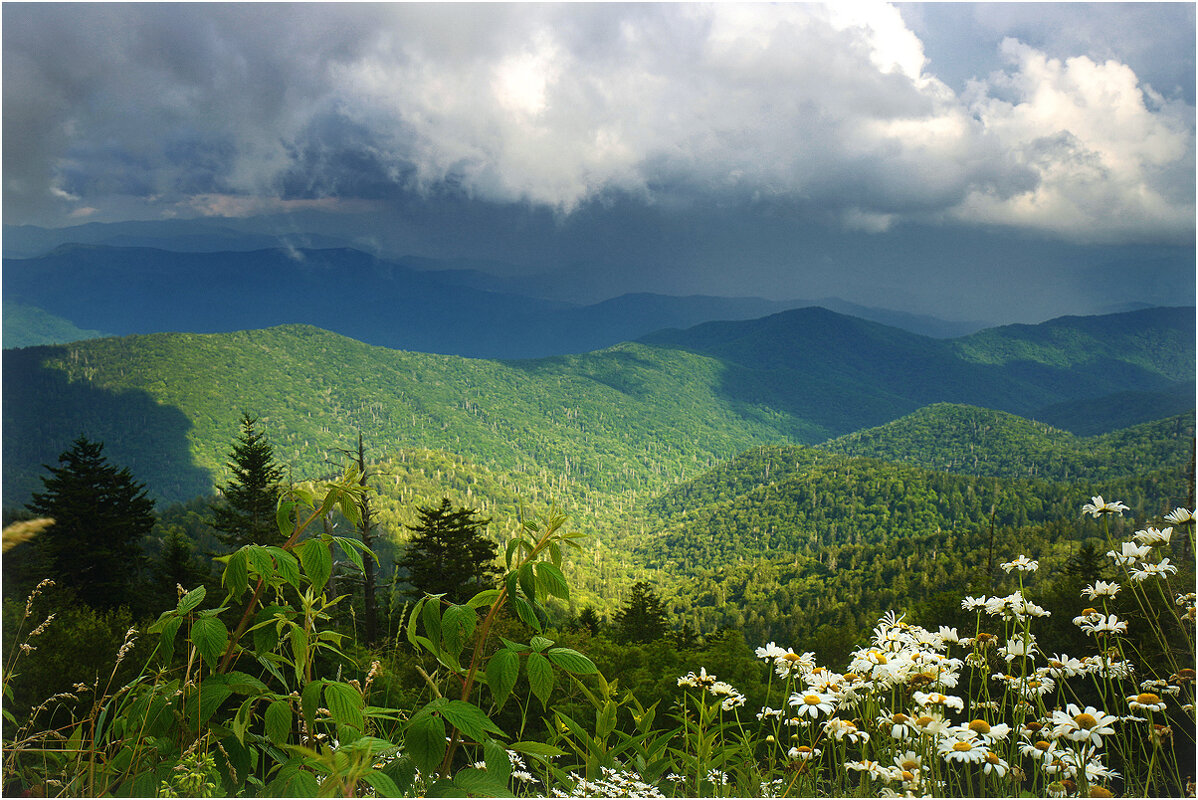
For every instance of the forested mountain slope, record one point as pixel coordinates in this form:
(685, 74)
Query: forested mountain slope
(847, 373)
(978, 441)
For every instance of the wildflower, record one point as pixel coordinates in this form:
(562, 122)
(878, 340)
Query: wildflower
(130, 637)
(1063, 666)
(804, 753)
(1040, 749)
(769, 713)
(1145, 701)
(1025, 648)
(717, 776)
(935, 698)
(1023, 564)
(1152, 537)
(843, 729)
(1099, 624)
(931, 724)
(1097, 507)
(1082, 726)
(770, 652)
(900, 725)
(1147, 571)
(993, 764)
(813, 704)
(1180, 516)
(702, 680)
(1037, 687)
(1129, 553)
(973, 603)
(949, 635)
(1101, 589)
(966, 749)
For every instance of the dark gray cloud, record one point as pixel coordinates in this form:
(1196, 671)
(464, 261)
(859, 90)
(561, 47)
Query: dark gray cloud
(613, 138)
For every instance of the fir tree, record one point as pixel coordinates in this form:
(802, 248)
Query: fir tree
(247, 513)
(100, 516)
(643, 618)
(449, 554)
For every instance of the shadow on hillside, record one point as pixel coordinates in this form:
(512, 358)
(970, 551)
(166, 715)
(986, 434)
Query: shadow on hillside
(44, 413)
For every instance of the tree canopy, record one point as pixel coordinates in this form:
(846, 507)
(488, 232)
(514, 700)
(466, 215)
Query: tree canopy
(246, 514)
(449, 553)
(100, 516)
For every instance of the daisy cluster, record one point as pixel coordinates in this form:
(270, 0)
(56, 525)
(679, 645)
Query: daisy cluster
(728, 695)
(897, 719)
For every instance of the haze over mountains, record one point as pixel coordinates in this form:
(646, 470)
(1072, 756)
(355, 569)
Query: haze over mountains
(155, 277)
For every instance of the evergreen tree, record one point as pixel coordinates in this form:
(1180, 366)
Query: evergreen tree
(643, 618)
(176, 566)
(247, 513)
(449, 554)
(100, 516)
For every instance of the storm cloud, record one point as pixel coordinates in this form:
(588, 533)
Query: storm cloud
(156, 110)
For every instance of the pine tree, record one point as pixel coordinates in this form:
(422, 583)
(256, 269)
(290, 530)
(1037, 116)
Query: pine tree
(247, 513)
(100, 516)
(643, 618)
(449, 554)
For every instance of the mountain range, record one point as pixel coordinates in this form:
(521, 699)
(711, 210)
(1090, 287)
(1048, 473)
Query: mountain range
(633, 416)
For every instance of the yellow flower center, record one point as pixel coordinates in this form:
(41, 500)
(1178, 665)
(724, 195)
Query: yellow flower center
(900, 719)
(980, 726)
(812, 700)
(1098, 791)
(1148, 699)
(1086, 721)
(910, 765)
(791, 657)
(992, 758)
(963, 747)
(1042, 745)
(924, 721)
(908, 776)
(804, 749)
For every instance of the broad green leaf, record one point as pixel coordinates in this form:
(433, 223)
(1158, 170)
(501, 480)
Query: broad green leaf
(484, 598)
(536, 749)
(499, 765)
(211, 637)
(190, 600)
(286, 565)
(242, 683)
(236, 579)
(572, 661)
(283, 518)
(260, 561)
(212, 692)
(309, 702)
(425, 741)
(344, 703)
(317, 563)
(527, 614)
(431, 616)
(540, 677)
(551, 579)
(469, 719)
(299, 648)
(278, 721)
(528, 582)
(457, 625)
(479, 783)
(417, 613)
(539, 643)
(382, 784)
(351, 552)
(502, 671)
(167, 641)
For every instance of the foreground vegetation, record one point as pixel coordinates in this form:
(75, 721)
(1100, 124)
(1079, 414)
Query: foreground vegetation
(261, 695)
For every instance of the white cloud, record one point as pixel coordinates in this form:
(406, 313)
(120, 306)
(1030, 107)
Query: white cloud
(1113, 160)
(561, 104)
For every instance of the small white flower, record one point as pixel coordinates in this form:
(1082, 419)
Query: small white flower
(973, 603)
(1146, 571)
(1129, 553)
(1097, 507)
(1096, 624)
(1180, 516)
(1023, 564)
(813, 704)
(1154, 538)
(1101, 589)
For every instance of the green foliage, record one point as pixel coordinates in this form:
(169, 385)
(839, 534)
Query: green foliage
(643, 617)
(100, 515)
(246, 512)
(975, 441)
(449, 555)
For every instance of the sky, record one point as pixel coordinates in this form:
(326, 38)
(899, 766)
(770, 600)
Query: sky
(1006, 162)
